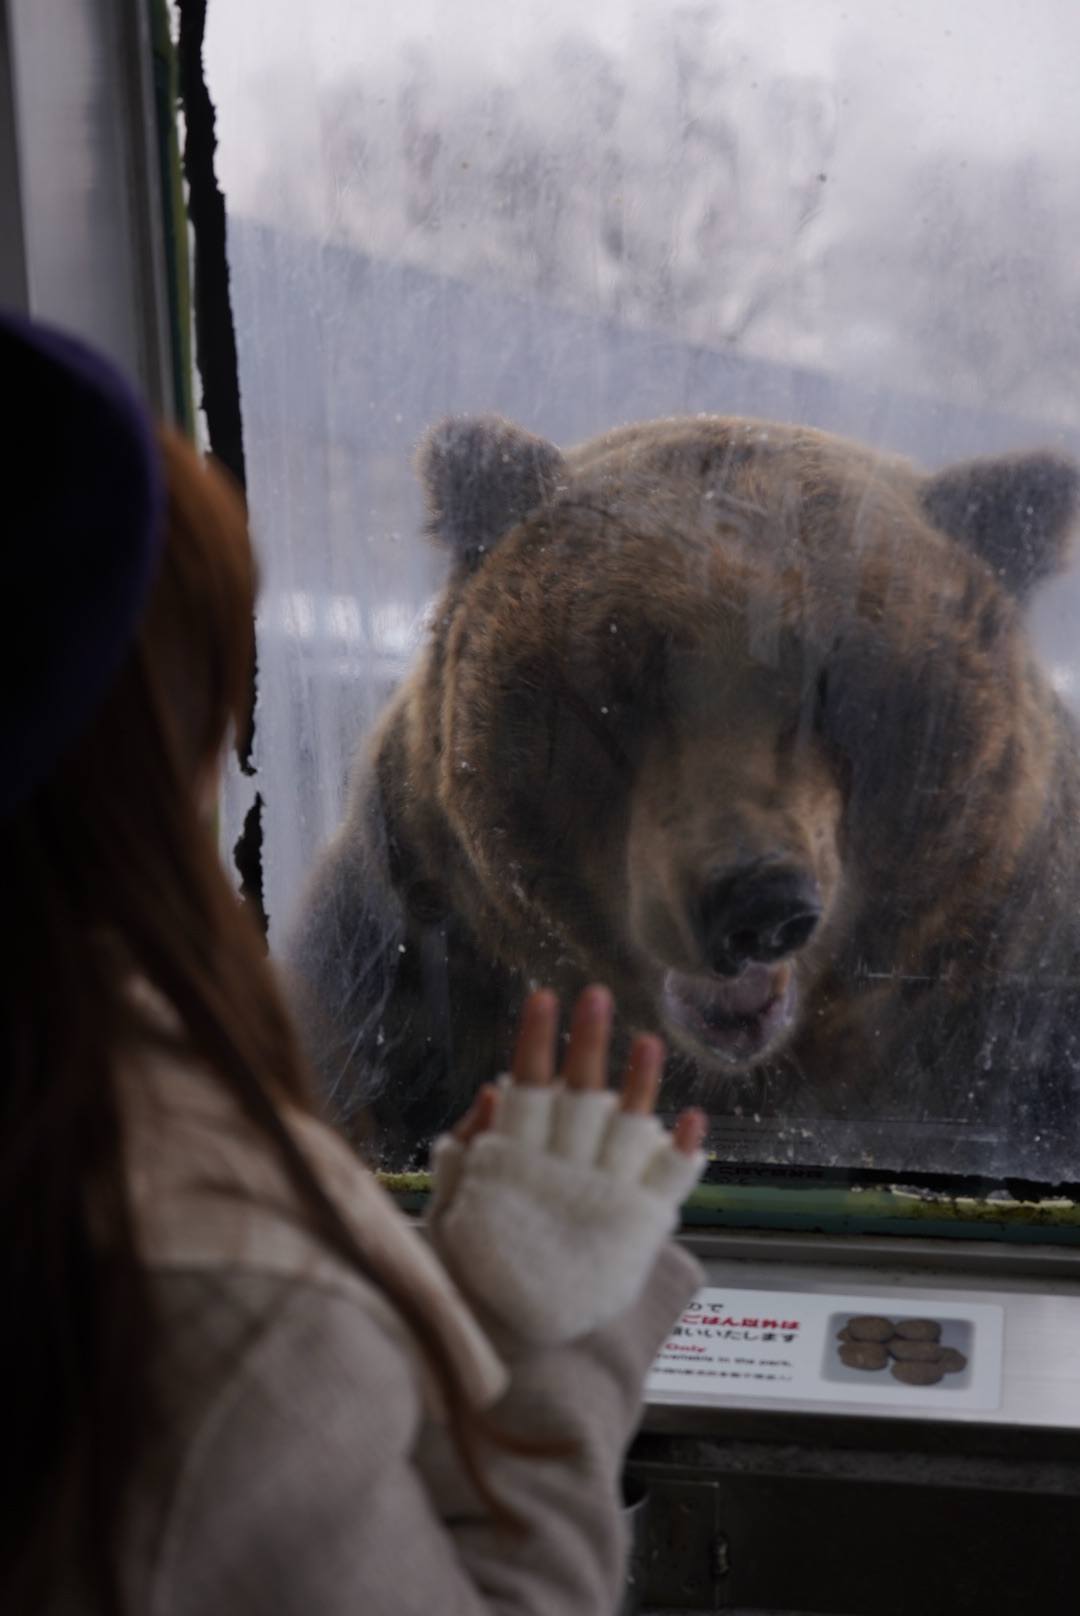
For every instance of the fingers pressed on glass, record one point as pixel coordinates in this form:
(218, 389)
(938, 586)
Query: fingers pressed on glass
(689, 1132)
(534, 1048)
(585, 1065)
(480, 1117)
(641, 1080)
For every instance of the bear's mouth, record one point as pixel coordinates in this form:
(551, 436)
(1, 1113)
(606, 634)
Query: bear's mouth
(736, 1018)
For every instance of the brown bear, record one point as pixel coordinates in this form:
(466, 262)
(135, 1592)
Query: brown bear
(743, 720)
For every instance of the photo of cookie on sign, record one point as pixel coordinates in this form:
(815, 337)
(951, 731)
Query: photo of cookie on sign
(917, 1351)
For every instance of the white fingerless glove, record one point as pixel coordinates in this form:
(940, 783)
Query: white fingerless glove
(554, 1219)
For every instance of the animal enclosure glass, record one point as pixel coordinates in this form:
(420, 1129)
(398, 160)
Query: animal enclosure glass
(758, 708)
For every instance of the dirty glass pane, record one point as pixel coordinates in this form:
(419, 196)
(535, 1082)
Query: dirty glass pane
(770, 731)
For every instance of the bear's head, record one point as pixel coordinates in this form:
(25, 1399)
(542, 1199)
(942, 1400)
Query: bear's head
(713, 711)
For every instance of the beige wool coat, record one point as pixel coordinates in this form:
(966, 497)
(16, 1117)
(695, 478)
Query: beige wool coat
(302, 1467)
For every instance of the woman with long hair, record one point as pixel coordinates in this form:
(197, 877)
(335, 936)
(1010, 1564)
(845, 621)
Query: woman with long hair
(236, 1379)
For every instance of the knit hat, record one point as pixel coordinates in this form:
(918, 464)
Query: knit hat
(82, 499)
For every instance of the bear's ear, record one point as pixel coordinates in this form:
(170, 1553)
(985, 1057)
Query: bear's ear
(482, 475)
(1015, 511)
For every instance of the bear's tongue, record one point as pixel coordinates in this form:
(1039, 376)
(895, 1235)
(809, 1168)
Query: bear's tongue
(738, 1018)
(746, 996)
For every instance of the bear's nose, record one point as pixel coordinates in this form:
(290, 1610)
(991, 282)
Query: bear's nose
(757, 912)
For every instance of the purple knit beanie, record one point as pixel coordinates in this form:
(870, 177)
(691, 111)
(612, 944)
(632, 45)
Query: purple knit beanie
(81, 524)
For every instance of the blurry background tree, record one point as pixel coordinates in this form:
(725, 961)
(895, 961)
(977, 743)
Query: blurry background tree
(687, 178)
(677, 187)
(976, 262)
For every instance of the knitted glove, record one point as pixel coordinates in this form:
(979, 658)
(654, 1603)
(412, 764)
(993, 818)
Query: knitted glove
(554, 1219)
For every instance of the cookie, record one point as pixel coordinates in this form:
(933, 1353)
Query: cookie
(864, 1355)
(918, 1374)
(919, 1330)
(915, 1351)
(870, 1327)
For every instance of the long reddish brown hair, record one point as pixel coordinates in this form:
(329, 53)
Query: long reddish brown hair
(111, 871)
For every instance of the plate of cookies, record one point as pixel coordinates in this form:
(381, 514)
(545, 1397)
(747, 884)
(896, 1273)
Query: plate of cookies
(917, 1352)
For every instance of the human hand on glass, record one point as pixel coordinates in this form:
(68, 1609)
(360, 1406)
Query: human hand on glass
(584, 1067)
(553, 1198)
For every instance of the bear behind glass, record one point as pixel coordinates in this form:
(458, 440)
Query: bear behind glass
(743, 720)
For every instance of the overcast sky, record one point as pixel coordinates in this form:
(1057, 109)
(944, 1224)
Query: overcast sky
(937, 127)
(990, 74)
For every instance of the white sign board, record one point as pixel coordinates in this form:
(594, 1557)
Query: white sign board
(893, 1350)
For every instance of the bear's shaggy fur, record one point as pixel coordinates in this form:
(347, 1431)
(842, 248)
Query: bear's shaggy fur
(741, 719)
